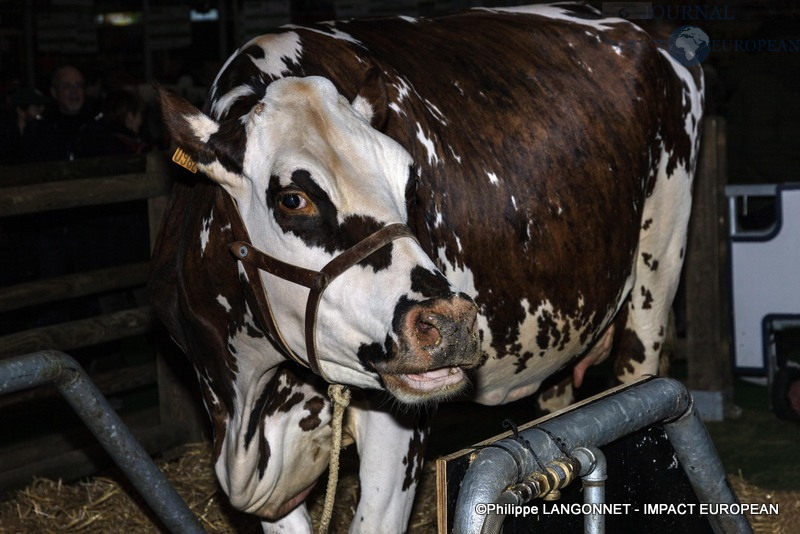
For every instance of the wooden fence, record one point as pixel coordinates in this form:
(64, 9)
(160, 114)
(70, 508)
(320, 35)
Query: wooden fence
(30, 191)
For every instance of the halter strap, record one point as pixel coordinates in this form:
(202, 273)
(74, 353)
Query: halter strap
(254, 260)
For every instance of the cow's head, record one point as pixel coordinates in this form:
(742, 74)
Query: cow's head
(311, 177)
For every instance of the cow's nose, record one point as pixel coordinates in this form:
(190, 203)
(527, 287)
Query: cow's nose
(444, 332)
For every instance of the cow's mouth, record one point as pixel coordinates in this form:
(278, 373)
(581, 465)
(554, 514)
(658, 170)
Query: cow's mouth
(436, 384)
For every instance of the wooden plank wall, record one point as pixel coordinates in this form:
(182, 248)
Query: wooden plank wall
(49, 187)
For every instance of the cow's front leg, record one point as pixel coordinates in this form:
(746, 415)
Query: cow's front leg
(392, 450)
(295, 522)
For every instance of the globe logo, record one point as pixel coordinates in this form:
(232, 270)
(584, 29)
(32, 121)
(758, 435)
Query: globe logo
(689, 45)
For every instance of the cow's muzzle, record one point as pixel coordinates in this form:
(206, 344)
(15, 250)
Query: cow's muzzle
(438, 339)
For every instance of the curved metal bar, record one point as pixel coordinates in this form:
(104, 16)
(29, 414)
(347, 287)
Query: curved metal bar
(598, 423)
(691, 442)
(45, 367)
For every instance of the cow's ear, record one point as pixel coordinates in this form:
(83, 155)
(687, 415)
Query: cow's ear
(371, 100)
(189, 127)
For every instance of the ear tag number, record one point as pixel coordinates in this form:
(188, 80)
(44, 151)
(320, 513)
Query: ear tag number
(184, 160)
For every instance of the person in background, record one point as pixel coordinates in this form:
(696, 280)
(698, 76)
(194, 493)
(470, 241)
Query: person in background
(62, 123)
(65, 243)
(27, 106)
(68, 90)
(115, 130)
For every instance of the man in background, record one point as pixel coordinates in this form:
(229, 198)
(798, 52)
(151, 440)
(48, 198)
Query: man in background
(62, 123)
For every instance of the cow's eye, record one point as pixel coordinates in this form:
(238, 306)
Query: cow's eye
(295, 202)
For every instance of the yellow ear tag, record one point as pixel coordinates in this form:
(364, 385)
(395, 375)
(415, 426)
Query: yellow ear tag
(182, 158)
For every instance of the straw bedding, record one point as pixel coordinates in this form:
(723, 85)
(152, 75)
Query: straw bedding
(102, 504)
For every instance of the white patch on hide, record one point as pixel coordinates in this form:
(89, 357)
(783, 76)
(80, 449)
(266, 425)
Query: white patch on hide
(397, 109)
(202, 126)
(224, 102)
(363, 107)
(224, 302)
(207, 383)
(594, 35)
(205, 233)
(694, 97)
(280, 49)
(403, 88)
(556, 12)
(217, 172)
(332, 32)
(436, 112)
(460, 277)
(453, 153)
(426, 142)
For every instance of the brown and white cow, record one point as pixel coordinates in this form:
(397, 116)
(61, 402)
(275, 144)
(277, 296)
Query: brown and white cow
(545, 176)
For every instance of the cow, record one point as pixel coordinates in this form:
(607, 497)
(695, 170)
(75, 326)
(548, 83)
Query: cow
(422, 210)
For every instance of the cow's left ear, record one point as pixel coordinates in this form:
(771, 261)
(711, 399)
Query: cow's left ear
(371, 100)
(189, 127)
(192, 130)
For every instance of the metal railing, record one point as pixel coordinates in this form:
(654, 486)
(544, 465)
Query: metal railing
(61, 370)
(662, 400)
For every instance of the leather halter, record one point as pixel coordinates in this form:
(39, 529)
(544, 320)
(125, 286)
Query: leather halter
(254, 260)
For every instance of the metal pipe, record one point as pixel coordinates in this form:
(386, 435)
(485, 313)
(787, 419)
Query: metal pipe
(40, 368)
(696, 453)
(546, 483)
(494, 521)
(509, 461)
(593, 473)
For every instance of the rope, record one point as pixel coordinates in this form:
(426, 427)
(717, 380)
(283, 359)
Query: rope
(340, 397)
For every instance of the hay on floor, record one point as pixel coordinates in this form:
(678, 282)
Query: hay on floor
(102, 504)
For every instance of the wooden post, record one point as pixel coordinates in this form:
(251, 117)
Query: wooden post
(707, 323)
(179, 399)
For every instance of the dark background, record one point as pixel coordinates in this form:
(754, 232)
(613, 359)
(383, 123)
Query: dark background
(172, 42)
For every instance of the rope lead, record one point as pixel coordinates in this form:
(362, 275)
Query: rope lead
(340, 397)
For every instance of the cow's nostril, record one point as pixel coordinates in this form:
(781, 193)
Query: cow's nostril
(427, 332)
(424, 326)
